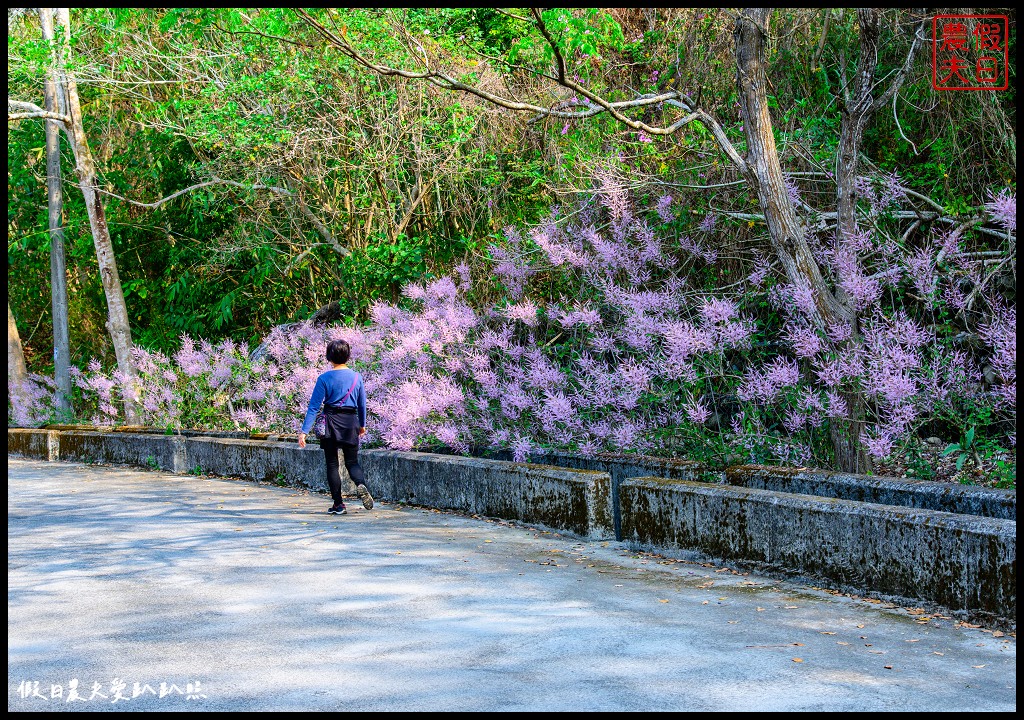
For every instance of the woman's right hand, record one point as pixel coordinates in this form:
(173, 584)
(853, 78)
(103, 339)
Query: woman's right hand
(302, 440)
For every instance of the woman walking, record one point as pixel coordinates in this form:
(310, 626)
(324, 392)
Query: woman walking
(340, 391)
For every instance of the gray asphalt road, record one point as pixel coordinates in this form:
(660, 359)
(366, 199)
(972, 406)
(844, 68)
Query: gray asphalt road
(238, 596)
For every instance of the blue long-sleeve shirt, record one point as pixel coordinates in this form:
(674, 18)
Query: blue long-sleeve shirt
(330, 388)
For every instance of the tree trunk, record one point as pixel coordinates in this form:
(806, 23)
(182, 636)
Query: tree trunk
(17, 373)
(58, 272)
(117, 312)
(856, 111)
(785, 230)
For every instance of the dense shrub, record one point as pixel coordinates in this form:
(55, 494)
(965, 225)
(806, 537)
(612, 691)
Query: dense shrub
(602, 338)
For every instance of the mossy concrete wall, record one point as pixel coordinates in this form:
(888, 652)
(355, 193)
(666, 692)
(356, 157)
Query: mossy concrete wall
(575, 500)
(946, 497)
(165, 452)
(623, 467)
(961, 562)
(42, 444)
(284, 463)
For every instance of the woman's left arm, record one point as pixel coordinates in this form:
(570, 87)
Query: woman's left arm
(361, 406)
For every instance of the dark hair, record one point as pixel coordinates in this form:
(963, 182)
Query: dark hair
(338, 352)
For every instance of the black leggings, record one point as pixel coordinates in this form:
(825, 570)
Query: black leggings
(355, 472)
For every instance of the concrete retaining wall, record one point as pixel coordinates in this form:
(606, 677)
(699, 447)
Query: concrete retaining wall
(946, 497)
(42, 444)
(575, 500)
(878, 536)
(284, 463)
(623, 467)
(165, 452)
(960, 562)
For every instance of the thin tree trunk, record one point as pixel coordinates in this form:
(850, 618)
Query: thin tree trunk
(58, 272)
(117, 312)
(856, 111)
(17, 372)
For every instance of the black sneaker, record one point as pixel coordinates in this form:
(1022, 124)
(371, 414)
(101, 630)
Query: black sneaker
(365, 496)
(338, 509)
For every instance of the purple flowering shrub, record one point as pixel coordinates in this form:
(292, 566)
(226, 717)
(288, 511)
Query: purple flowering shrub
(416, 368)
(32, 402)
(208, 386)
(594, 331)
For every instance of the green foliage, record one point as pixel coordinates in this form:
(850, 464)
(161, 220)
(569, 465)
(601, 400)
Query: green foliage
(920, 466)
(1004, 475)
(575, 34)
(965, 449)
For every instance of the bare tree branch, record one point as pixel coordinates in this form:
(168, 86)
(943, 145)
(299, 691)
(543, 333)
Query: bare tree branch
(44, 115)
(901, 75)
(899, 127)
(158, 203)
(317, 223)
(18, 110)
(262, 35)
(446, 82)
(511, 15)
(821, 41)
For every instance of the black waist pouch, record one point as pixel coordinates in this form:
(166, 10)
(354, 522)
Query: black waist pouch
(341, 425)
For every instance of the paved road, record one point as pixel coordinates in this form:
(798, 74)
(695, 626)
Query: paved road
(118, 577)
